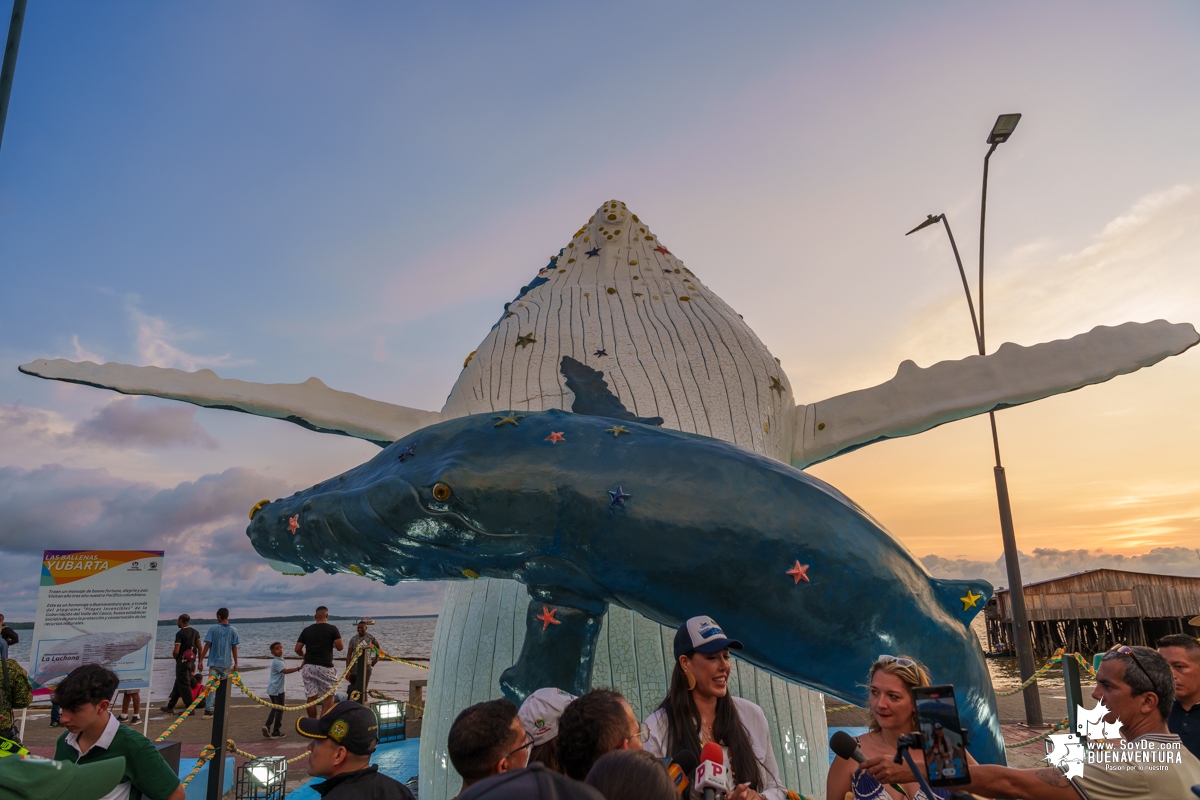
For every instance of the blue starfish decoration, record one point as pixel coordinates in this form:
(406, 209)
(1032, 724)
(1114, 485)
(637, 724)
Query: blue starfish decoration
(595, 251)
(408, 453)
(618, 497)
(600, 352)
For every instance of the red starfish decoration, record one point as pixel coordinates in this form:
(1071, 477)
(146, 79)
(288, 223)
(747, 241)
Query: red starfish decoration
(556, 436)
(293, 524)
(800, 573)
(661, 249)
(547, 617)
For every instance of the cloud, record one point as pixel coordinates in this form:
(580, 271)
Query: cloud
(1048, 562)
(82, 354)
(123, 423)
(157, 343)
(200, 524)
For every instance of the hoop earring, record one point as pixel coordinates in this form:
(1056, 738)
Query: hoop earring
(691, 680)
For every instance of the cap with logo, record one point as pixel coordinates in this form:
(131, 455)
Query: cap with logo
(540, 712)
(535, 782)
(349, 724)
(41, 779)
(702, 635)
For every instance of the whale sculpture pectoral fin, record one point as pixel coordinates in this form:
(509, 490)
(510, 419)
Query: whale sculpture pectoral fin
(311, 404)
(919, 399)
(963, 599)
(559, 648)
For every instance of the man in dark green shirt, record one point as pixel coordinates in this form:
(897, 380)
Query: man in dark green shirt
(94, 734)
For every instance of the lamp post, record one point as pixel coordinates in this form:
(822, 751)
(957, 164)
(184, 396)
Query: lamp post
(1001, 131)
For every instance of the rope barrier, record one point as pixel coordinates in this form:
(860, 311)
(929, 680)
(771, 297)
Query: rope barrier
(1049, 665)
(208, 687)
(232, 747)
(379, 652)
(236, 677)
(206, 755)
(1038, 738)
(840, 708)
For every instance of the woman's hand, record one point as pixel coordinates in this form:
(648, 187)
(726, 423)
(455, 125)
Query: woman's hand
(743, 792)
(885, 770)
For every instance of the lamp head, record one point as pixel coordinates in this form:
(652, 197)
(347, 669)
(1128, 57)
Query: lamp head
(929, 220)
(1004, 127)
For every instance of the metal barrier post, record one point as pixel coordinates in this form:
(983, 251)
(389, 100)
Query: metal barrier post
(364, 676)
(216, 767)
(1074, 691)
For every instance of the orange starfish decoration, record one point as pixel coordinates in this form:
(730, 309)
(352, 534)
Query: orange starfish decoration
(800, 573)
(556, 436)
(547, 617)
(293, 524)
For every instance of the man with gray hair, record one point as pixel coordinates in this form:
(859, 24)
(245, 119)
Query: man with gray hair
(1149, 763)
(1182, 652)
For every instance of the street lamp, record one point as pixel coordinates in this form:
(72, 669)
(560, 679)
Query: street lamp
(1001, 131)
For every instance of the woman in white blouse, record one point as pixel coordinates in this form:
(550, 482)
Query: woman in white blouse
(699, 709)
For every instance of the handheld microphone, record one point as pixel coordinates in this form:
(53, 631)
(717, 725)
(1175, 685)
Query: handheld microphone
(682, 765)
(843, 745)
(711, 777)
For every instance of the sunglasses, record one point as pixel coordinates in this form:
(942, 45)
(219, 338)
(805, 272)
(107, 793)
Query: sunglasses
(528, 744)
(904, 662)
(1126, 650)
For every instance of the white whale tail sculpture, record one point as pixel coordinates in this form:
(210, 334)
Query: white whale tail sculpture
(618, 300)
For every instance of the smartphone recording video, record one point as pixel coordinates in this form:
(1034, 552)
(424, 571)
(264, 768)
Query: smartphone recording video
(943, 742)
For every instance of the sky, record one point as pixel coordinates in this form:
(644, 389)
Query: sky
(352, 191)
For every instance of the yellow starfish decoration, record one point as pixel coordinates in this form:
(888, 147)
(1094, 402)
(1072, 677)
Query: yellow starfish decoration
(970, 600)
(616, 430)
(525, 340)
(776, 386)
(510, 419)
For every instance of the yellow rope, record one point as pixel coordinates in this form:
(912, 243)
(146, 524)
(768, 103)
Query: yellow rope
(237, 681)
(232, 747)
(205, 756)
(1049, 665)
(379, 652)
(1037, 738)
(839, 708)
(208, 687)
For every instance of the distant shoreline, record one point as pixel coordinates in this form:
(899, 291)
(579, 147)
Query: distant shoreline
(25, 626)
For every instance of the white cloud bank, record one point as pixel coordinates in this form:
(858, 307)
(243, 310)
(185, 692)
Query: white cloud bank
(1047, 562)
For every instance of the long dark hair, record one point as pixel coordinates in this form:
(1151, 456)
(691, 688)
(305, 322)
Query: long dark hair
(683, 729)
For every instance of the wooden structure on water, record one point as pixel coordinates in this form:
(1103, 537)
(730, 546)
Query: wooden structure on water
(1089, 612)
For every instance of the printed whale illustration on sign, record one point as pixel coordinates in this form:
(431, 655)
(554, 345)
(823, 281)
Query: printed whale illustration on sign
(701, 524)
(617, 299)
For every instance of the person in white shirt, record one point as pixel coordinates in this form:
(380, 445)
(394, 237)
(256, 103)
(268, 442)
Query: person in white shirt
(699, 709)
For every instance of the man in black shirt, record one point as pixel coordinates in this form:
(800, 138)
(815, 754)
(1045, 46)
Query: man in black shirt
(1182, 652)
(341, 747)
(187, 647)
(317, 643)
(7, 633)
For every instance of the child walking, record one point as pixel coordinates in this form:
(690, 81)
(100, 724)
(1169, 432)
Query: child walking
(275, 690)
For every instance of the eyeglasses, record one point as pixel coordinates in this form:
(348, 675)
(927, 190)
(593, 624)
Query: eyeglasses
(643, 733)
(886, 659)
(1126, 650)
(528, 743)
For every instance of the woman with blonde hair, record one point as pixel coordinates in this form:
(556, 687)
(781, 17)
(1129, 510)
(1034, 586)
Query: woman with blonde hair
(893, 714)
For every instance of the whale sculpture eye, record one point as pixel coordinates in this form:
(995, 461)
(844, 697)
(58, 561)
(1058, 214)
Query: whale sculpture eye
(441, 492)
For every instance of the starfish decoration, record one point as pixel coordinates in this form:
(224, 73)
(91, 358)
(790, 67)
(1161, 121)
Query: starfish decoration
(667, 271)
(511, 419)
(544, 270)
(970, 600)
(525, 340)
(595, 251)
(799, 573)
(555, 437)
(293, 524)
(547, 617)
(776, 386)
(600, 352)
(616, 430)
(661, 249)
(408, 453)
(618, 497)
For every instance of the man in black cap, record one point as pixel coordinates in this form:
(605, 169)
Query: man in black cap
(341, 747)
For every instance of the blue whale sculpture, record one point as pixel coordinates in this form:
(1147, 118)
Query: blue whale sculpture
(670, 524)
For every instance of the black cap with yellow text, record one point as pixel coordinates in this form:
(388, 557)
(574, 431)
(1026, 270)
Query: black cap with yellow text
(349, 724)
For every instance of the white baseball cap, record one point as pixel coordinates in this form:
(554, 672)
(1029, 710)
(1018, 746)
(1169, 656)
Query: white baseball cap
(702, 635)
(540, 712)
